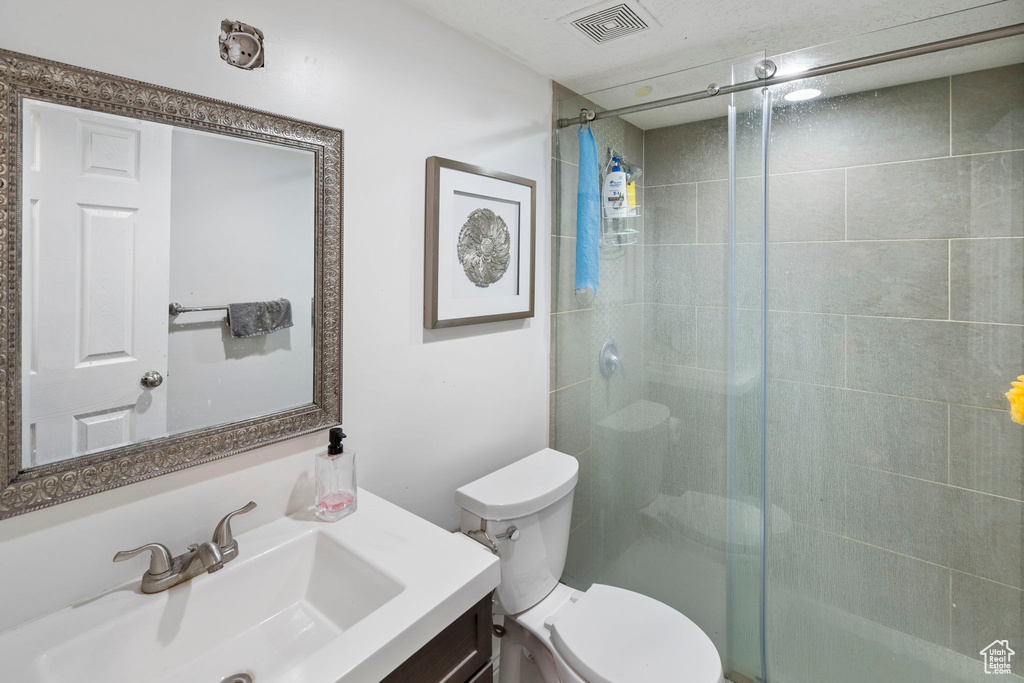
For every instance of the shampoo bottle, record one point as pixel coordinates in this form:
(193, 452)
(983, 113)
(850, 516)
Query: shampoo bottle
(335, 479)
(614, 195)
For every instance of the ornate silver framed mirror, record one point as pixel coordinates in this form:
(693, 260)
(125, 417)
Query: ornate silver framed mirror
(170, 280)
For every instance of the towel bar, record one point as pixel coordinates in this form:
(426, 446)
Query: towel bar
(177, 308)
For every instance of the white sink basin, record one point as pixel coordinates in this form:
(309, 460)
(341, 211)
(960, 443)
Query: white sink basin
(298, 604)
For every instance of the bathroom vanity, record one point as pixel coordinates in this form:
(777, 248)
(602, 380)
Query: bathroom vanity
(381, 595)
(459, 654)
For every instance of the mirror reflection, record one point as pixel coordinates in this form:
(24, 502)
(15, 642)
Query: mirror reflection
(167, 280)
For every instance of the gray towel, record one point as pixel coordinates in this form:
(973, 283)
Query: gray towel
(253, 318)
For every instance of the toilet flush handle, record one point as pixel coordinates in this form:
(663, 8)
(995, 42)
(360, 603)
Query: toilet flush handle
(511, 533)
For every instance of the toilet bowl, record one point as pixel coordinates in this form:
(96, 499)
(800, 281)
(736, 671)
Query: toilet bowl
(553, 633)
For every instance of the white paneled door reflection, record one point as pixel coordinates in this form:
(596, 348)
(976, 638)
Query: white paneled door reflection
(96, 208)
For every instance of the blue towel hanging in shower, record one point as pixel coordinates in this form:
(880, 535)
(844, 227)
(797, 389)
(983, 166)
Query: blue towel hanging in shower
(588, 218)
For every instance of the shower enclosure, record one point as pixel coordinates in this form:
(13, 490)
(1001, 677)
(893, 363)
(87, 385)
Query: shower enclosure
(806, 447)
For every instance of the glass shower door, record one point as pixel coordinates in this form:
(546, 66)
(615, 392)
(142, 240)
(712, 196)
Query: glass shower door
(807, 448)
(895, 326)
(668, 504)
(748, 128)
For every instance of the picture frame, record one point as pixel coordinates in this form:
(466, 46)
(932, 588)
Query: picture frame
(480, 247)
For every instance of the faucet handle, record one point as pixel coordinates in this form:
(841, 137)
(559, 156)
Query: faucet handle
(222, 534)
(159, 562)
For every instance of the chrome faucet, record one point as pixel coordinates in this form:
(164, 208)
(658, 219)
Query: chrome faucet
(166, 571)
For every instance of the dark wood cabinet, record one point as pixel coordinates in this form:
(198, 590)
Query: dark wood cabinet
(459, 654)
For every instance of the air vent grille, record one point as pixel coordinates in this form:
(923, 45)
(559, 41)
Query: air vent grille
(610, 23)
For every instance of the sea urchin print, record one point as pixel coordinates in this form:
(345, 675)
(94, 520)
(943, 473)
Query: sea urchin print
(484, 246)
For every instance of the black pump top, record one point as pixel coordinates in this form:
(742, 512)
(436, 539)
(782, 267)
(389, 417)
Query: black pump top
(334, 447)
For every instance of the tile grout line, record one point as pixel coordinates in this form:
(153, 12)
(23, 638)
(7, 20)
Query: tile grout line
(839, 168)
(894, 240)
(570, 386)
(836, 314)
(897, 317)
(950, 107)
(846, 352)
(949, 439)
(643, 279)
(954, 570)
(938, 483)
(949, 612)
(949, 280)
(696, 215)
(696, 334)
(832, 386)
(868, 544)
(851, 315)
(846, 204)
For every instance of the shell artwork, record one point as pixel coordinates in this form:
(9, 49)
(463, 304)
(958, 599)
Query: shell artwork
(484, 247)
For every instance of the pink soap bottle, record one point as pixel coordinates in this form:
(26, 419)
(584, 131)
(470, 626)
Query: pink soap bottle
(335, 479)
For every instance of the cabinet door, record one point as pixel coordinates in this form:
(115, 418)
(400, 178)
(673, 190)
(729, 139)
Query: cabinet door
(484, 675)
(458, 654)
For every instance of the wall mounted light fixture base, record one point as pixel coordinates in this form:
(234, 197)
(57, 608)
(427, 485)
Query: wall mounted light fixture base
(241, 45)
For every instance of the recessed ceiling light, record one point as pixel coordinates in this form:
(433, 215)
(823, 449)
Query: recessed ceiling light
(644, 91)
(801, 95)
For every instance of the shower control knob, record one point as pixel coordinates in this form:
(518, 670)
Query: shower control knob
(152, 379)
(511, 533)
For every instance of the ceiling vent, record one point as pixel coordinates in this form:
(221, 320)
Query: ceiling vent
(606, 21)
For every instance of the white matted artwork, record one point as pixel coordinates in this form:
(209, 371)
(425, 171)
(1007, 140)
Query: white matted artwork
(480, 245)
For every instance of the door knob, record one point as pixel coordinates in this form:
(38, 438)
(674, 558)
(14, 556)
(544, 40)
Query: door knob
(152, 379)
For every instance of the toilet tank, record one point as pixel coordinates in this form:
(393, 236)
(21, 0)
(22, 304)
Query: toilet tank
(534, 495)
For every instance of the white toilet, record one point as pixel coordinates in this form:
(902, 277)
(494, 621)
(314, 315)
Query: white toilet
(555, 634)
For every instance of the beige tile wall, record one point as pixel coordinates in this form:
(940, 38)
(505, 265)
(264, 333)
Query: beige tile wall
(896, 298)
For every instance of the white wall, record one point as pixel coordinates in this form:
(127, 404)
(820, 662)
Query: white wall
(244, 234)
(403, 88)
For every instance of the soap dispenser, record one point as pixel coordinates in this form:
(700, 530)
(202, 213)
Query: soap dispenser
(335, 479)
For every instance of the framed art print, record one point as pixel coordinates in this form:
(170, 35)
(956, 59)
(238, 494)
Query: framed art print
(480, 247)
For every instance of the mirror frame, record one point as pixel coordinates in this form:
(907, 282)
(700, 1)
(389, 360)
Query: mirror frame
(26, 77)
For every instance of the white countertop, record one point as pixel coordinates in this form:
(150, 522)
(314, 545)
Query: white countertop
(408, 580)
(444, 574)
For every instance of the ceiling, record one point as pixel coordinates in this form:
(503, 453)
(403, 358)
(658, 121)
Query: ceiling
(704, 41)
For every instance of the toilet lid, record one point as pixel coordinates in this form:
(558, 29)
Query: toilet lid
(613, 635)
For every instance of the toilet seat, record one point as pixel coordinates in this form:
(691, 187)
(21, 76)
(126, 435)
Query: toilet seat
(612, 635)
